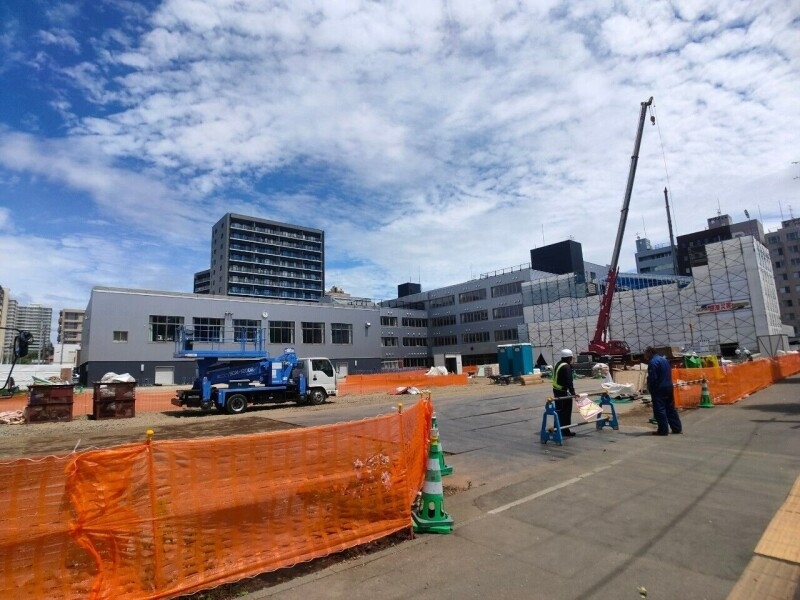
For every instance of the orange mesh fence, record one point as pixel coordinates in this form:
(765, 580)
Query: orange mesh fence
(389, 382)
(730, 383)
(158, 399)
(160, 519)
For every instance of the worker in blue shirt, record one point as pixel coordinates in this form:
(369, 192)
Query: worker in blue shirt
(659, 384)
(564, 390)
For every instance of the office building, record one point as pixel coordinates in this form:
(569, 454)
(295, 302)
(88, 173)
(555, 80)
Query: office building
(784, 251)
(658, 260)
(691, 247)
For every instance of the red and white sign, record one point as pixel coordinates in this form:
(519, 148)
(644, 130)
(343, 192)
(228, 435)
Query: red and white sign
(715, 307)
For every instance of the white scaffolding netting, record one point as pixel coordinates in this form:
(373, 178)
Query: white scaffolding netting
(730, 301)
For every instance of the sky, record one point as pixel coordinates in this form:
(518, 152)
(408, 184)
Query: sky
(432, 141)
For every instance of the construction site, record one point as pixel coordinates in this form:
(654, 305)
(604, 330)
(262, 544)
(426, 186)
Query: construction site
(729, 303)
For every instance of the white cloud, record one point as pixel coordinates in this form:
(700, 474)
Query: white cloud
(442, 140)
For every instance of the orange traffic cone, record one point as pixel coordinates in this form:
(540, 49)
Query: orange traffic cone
(429, 515)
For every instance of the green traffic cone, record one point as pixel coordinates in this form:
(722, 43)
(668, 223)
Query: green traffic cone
(443, 468)
(429, 515)
(705, 397)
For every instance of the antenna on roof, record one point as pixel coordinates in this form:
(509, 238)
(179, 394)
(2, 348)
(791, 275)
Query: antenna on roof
(746, 214)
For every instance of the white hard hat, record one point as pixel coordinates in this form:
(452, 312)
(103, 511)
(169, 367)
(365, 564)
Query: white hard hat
(566, 353)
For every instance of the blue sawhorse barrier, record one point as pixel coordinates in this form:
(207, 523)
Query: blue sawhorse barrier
(554, 432)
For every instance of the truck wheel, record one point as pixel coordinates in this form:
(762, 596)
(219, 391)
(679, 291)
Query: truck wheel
(316, 396)
(236, 404)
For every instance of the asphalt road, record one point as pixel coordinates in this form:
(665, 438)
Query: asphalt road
(605, 516)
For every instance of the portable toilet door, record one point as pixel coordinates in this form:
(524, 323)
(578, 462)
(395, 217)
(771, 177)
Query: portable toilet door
(504, 358)
(522, 359)
(523, 356)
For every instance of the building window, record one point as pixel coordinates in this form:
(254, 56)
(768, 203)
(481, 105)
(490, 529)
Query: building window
(507, 289)
(474, 317)
(207, 329)
(443, 321)
(389, 321)
(313, 333)
(505, 335)
(121, 337)
(773, 239)
(445, 340)
(789, 303)
(443, 301)
(281, 332)
(505, 312)
(246, 330)
(414, 322)
(163, 328)
(475, 338)
(407, 341)
(784, 290)
(341, 333)
(472, 296)
(388, 342)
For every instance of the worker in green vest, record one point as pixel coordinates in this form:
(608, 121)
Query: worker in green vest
(564, 390)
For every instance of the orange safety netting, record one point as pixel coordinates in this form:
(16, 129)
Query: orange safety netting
(160, 519)
(730, 383)
(158, 399)
(389, 382)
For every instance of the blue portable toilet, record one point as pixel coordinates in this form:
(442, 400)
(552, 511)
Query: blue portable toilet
(505, 354)
(522, 359)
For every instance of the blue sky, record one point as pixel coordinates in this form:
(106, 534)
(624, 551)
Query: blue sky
(432, 141)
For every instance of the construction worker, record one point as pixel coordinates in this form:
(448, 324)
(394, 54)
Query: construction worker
(564, 390)
(659, 384)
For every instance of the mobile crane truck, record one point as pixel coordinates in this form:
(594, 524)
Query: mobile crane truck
(251, 376)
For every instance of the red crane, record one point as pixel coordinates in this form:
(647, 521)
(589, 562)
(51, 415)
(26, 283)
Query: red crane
(600, 347)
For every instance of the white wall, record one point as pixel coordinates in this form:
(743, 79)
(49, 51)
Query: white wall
(23, 374)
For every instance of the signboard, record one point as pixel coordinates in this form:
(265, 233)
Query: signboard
(714, 307)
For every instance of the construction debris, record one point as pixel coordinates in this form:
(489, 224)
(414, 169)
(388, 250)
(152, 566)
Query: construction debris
(12, 417)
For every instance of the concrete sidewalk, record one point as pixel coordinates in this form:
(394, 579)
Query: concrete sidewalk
(679, 517)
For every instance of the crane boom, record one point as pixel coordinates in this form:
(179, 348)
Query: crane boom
(599, 346)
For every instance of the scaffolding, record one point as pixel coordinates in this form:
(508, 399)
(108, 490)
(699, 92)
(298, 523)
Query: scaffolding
(730, 302)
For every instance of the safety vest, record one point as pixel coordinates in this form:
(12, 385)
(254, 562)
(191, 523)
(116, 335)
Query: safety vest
(556, 385)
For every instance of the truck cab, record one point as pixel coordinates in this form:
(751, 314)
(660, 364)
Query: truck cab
(319, 376)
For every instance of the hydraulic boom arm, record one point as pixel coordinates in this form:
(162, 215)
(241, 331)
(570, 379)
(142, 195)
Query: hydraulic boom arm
(598, 344)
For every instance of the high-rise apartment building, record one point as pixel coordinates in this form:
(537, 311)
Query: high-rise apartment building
(264, 259)
(70, 325)
(34, 318)
(784, 251)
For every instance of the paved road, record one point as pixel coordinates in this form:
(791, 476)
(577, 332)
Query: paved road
(599, 517)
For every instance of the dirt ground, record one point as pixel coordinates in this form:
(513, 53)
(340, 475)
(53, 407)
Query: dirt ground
(42, 439)
(82, 433)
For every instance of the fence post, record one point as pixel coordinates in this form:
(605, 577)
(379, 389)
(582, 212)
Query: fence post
(151, 480)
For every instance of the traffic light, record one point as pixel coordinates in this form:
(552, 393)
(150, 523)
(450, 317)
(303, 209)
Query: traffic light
(21, 342)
